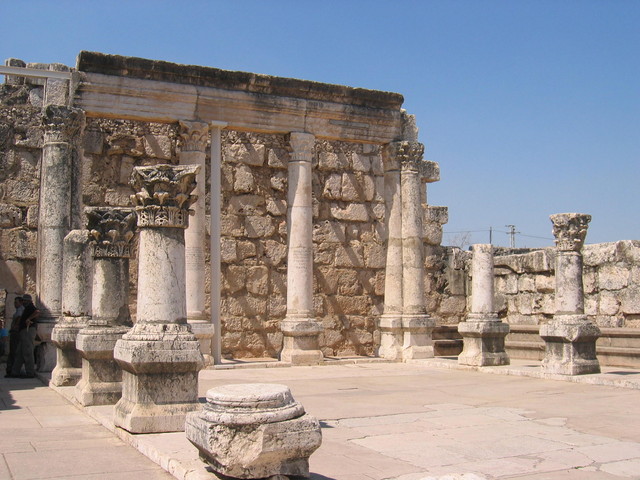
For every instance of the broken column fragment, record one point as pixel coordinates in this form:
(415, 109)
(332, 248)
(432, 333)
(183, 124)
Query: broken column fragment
(483, 333)
(254, 431)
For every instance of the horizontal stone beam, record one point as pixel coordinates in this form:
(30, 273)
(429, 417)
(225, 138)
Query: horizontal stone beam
(123, 97)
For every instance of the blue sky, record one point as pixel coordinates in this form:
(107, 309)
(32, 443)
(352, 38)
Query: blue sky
(530, 107)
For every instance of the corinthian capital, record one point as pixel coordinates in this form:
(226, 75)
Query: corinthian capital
(164, 195)
(62, 124)
(301, 145)
(194, 136)
(570, 230)
(407, 155)
(112, 230)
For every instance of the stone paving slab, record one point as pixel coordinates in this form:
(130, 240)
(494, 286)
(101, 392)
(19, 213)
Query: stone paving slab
(44, 436)
(428, 420)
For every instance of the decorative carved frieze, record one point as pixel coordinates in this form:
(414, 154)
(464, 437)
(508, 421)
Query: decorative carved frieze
(570, 230)
(164, 195)
(62, 124)
(112, 230)
(194, 136)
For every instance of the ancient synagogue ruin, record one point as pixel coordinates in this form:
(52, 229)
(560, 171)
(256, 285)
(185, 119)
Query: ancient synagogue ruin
(311, 236)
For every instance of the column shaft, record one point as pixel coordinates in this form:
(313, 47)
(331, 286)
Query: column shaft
(390, 323)
(215, 186)
(76, 308)
(299, 328)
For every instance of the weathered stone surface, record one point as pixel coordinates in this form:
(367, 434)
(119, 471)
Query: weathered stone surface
(158, 146)
(354, 212)
(254, 431)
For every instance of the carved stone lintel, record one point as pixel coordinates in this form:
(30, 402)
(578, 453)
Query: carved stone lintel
(570, 230)
(194, 136)
(62, 124)
(164, 195)
(112, 230)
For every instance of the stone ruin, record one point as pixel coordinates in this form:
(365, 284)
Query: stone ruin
(312, 235)
(274, 218)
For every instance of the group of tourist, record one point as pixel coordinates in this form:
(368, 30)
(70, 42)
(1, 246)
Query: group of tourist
(22, 335)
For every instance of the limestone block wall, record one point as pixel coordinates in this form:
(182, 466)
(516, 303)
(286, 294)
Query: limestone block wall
(253, 243)
(21, 139)
(349, 253)
(525, 284)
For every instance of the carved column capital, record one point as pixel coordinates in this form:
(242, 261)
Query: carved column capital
(62, 124)
(570, 230)
(301, 146)
(403, 155)
(112, 230)
(194, 136)
(164, 195)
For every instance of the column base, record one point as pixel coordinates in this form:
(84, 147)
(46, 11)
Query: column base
(391, 337)
(483, 337)
(160, 365)
(68, 369)
(46, 352)
(570, 345)
(203, 329)
(101, 382)
(417, 335)
(300, 343)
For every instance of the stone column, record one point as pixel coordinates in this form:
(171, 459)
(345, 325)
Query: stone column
(570, 339)
(299, 327)
(214, 233)
(390, 323)
(194, 136)
(62, 127)
(483, 332)
(160, 356)
(112, 231)
(417, 326)
(76, 308)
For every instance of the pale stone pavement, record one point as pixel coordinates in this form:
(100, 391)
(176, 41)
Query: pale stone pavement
(424, 420)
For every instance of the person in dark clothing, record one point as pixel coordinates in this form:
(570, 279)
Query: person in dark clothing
(28, 328)
(14, 334)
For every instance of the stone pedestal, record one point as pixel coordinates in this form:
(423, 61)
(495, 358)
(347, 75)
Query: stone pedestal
(391, 337)
(194, 137)
(160, 356)
(254, 431)
(76, 308)
(112, 232)
(62, 126)
(483, 333)
(299, 328)
(570, 345)
(570, 338)
(417, 337)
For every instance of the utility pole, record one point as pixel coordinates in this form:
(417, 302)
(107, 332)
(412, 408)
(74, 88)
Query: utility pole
(490, 235)
(512, 234)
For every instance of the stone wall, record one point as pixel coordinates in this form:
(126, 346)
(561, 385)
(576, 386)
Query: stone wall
(525, 285)
(21, 139)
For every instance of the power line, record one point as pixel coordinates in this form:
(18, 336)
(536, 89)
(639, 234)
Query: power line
(512, 233)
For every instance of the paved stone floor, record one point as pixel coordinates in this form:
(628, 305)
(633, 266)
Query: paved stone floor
(427, 420)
